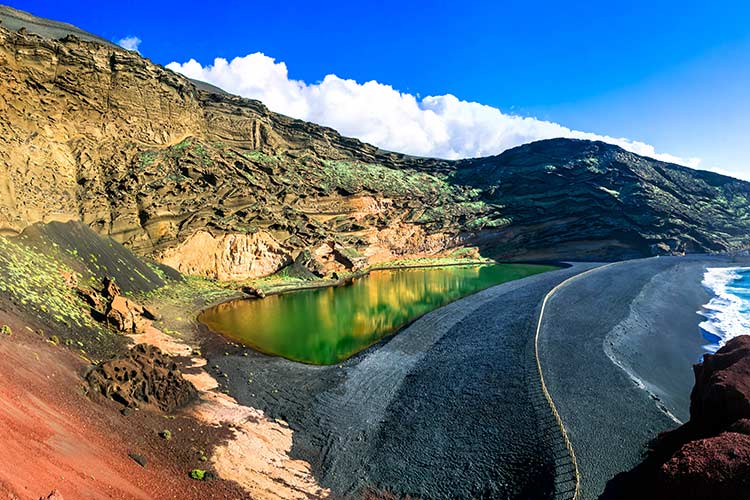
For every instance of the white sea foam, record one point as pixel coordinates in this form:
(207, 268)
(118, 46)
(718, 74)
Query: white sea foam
(728, 313)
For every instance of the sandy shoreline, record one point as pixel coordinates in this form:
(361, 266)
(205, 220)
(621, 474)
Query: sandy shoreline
(618, 348)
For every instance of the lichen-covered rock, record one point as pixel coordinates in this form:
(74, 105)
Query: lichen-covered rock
(145, 377)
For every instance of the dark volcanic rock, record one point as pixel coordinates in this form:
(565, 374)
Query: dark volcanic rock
(741, 426)
(253, 292)
(143, 377)
(54, 495)
(139, 459)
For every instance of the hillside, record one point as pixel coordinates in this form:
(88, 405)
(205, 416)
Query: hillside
(219, 186)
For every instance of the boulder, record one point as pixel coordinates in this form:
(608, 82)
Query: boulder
(308, 266)
(151, 313)
(253, 292)
(92, 298)
(111, 289)
(128, 316)
(711, 468)
(143, 377)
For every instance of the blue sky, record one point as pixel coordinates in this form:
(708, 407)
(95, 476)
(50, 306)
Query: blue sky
(673, 74)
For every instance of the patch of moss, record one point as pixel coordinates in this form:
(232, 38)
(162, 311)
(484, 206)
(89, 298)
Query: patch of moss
(260, 157)
(200, 474)
(354, 177)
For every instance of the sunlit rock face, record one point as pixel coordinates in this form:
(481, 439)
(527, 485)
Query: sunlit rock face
(228, 256)
(95, 133)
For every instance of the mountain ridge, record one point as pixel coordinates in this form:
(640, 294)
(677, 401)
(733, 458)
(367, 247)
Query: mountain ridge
(96, 133)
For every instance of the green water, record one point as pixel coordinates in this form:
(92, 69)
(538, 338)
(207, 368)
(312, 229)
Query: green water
(328, 325)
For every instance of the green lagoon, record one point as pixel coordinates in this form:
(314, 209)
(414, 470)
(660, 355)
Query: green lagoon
(328, 325)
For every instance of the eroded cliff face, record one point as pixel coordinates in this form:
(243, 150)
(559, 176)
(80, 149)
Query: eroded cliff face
(213, 184)
(219, 186)
(228, 256)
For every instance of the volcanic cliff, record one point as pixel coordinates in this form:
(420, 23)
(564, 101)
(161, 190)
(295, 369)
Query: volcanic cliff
(219, 186)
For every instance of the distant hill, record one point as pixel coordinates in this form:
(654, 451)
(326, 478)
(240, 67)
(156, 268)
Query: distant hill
(217, 185)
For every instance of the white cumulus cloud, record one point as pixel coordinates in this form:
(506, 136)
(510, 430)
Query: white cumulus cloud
(437, 126)
(129, 43)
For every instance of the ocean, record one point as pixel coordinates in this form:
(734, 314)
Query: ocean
(728, 313)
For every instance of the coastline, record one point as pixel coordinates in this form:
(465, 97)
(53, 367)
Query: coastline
(618, 349)
(726, 315)
(365, 422)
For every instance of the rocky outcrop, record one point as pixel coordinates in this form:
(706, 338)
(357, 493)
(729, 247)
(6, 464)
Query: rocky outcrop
(721, 397)
(710, 468)
(219, 186)
(228, 256)
(709, 456)
(127, 316)
(118, 311)
(144, 377)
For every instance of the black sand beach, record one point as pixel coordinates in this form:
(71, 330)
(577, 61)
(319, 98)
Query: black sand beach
(617, 348)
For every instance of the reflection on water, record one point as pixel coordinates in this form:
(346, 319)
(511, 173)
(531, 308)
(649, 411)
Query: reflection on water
(328, 325)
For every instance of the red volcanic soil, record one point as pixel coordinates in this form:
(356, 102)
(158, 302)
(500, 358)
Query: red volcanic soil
(715, 467)
(55, 438)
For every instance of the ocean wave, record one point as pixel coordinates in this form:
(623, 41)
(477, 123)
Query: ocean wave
(728, 313)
